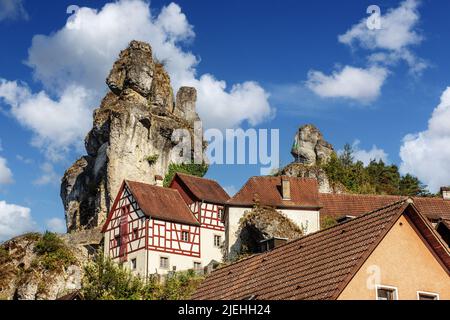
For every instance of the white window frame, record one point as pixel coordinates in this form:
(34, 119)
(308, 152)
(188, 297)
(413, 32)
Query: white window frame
(381, 286)
(198, 262)
(220, 241)
(168, 262)
(428, 294)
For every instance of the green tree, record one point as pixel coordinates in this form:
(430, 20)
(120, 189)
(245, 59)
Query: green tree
(411, 186)
(106, 280)
(346, 156)
(375, 178)
(198, 170)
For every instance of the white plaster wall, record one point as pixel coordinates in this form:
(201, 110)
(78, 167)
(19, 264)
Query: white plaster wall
(140, 262)
(208, 250)
(181, 262)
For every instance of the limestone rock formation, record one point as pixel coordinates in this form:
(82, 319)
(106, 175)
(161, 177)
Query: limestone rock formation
(310, 147)
(310, 150)
(131, 136)
(22, 278)
(263, 223)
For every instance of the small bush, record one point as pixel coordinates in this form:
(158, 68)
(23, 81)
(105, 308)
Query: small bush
(152, 159)
(106, 280)
(180, 286)
(327, 222)
(52, 252)
(198, 170)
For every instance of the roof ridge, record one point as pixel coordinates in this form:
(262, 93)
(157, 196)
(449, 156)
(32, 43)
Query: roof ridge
(151, 185)
(198, 177)
(360, 195)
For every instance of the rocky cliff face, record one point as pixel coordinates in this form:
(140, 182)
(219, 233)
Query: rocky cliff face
(24, 277)
(131, 136)
(310, 150)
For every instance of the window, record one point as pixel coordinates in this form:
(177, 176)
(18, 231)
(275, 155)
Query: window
(217, 241)
(164, 262)
(185, 236)
(135, 233)
(220, 214)
(421, 295)
(133, 264)
(197, 266)
(386, 293)
(117, 240)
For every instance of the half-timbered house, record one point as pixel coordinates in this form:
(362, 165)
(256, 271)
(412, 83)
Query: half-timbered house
(206, 198)
(152, 230)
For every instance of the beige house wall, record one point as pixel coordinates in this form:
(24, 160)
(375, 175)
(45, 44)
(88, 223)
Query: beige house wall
(401, 260)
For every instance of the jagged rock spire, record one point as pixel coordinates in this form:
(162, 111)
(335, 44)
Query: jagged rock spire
(134, 122)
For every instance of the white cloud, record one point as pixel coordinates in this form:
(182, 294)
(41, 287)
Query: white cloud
(6, 175)
(363, 85)
(24, 159)
(365, 156)
(81, 54)
(49, 176)
(56, 225)
(58, 124)
(393, 42)
(13, 10)
(426, 154)
(14, 220)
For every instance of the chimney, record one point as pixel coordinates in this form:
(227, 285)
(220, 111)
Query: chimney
(445, 192)
(285, 188)
(271, 243)
(159, 181)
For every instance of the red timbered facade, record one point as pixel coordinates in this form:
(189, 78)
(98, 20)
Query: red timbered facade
(148, 220)
(209, 215)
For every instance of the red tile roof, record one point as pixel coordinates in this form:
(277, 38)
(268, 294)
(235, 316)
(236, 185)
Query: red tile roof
(203, 189)
(337, 205)
(161, 203)
(352, 204)
(304, 192)
(317, 266)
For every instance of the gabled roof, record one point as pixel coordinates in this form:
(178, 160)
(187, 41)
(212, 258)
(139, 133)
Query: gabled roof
(156, 202)
(316, 266)
(353, 204)
(203, 189)
(356, 204)
(161, 203)
(268, 191)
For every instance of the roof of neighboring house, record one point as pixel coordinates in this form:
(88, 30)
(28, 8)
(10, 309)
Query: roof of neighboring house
(316, 266)
(203, 189)
(74, 295)
(303, 192)
(161, 203)
(352, 204)
(338, 205)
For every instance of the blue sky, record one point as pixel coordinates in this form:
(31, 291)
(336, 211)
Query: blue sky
(290, 62)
